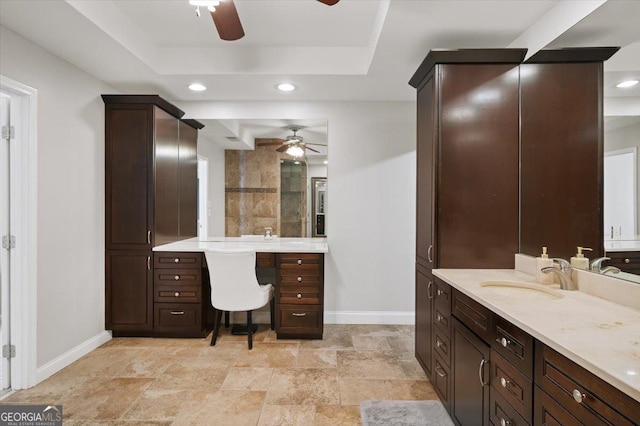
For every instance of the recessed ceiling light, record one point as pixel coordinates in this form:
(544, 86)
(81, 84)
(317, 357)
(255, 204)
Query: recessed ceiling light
(197, 87)
(286, 87)
(326, 162)
(627, 83)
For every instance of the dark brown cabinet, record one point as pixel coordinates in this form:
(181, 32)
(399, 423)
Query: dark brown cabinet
(299, 295)
(424, 319)
(150, 199)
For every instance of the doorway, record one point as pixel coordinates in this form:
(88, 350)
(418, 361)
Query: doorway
(203, 197)
(620, 208)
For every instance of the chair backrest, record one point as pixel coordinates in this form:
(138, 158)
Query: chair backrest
(232, 275)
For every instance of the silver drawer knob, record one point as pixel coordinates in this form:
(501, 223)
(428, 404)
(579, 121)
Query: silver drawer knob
(176, 294)
(440, 318)
(504, 342)
(177, 277)
(504, 422)
(439, 292)
(503, 382)
(176, 260)
(627, 260)
(299, 279)
(578, 396)
(299, 261)
(299, 296)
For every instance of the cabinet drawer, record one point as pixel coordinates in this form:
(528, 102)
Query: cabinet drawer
(600, 403)
(177, 260)
(514, 345)
(300, 278)
(627, 261)
(177, 277)
(299, 320)
(299, 295)
(515, 388)
(442, 304)
(472, 314)
(178, 317)
(265, 260)
(501, 413)
(442, 379)
(442, 345)
(299, 262)
(178, 293)
(548, 412)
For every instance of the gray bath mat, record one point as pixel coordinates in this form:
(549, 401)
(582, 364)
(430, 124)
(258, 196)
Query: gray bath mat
(405, 413)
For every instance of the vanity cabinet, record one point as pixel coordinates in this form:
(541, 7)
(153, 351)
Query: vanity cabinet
(566, 393)
(150, 199)
(626, 261)
(299, 295)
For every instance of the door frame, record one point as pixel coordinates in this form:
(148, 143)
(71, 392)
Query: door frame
(24, 219)
(634, 152)
(203, 196)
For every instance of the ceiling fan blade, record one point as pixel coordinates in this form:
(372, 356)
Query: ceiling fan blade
(311, 149)
(310, 143)
(329, 2)
(283, 148)
(227, 21)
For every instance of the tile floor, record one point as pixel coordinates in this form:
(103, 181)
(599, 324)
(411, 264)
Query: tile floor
(135, 381)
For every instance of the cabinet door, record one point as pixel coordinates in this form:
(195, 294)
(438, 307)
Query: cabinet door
(424, 319)
(470, 401)
(166, 178)
(477, 179)
(426, 137)
(128, 176)
(129, 291)
(188, 176)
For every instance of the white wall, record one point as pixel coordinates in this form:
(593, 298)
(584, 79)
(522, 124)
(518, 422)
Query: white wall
(369, 271)
(70, 241)
(215, 155)
(626, 137)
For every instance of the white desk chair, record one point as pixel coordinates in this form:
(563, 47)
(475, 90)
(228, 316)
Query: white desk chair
(234, 286)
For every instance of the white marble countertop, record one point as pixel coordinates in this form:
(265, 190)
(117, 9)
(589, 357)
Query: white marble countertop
(599, 335)
(258, 243)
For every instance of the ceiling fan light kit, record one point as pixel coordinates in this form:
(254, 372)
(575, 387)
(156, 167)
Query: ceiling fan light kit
(225, 16)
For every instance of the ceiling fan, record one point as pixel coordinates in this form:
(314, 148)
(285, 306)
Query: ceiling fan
(225, 16)
(294, 145)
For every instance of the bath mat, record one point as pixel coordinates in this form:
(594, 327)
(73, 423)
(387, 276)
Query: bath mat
(405, 413)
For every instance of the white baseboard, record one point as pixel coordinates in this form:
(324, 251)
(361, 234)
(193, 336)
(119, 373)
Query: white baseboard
(369, 317)
(52, 367)
(341, 317)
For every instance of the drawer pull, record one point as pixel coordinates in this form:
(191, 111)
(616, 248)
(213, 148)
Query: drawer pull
(503, 341)
(299, 296)
(440, 318)
(429, 254)
(481, 372)
(299, 261)
(299, 279)
(148, 263)
(429, 295)
(177, 294)
(439, 292)
(578, 396)
(626, 260)
(148, 237)
(176, 260)
(298, 315)
(504, 422)
(504, 382)
(440, 371)
(177, 278)
(177, 312)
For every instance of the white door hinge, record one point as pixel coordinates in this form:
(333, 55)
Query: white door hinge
(8, 351)
(8, 132)
(8, 242)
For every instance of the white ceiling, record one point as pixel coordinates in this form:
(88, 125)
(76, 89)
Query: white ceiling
(357, 50)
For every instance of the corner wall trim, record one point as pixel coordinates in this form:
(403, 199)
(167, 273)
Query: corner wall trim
(369, 317)
(52, 367)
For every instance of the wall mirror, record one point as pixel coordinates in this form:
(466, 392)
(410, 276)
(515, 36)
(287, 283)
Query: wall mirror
(270, 170)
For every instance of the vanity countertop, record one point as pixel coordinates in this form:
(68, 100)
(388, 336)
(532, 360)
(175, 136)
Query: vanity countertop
(258, 243)
(599, 335)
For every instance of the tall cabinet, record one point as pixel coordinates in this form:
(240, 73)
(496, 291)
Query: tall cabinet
(150, 199)
(467, 165)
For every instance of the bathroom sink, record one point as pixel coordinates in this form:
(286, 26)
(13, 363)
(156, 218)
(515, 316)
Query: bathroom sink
(521, 289)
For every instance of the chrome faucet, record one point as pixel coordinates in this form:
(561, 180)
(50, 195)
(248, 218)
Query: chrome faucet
(563, 271)
(596, 266)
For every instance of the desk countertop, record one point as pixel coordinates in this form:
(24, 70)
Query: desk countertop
(599, 335)
(258, 243)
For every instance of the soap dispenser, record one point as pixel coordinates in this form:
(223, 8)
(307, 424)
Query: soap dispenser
(579, 261)
(543, 261)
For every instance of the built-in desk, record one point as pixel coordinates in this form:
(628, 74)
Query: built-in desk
(182, 302)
